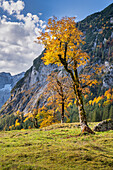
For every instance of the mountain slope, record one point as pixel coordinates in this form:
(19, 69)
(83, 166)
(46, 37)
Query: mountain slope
(7, 82)
(98, 33)
(26, 92)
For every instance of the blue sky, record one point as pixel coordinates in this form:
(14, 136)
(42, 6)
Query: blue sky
(21, 21)
(59, 8)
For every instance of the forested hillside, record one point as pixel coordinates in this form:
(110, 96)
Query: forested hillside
(98, 34)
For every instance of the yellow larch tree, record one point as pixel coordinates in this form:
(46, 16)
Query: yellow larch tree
(107, 97)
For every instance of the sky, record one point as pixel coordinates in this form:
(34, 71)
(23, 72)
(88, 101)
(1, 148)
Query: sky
(21, 21)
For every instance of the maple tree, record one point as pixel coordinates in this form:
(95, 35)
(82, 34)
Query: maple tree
(62, 41)
(60, 96)
(61, 92)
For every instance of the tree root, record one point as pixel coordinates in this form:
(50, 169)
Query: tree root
(86, 129)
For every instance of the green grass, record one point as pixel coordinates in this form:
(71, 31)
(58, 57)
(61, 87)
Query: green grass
(58, 147)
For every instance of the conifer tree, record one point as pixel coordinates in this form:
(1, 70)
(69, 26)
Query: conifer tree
(111, 112)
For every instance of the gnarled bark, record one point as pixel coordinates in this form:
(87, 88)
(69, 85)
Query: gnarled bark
(77, 91)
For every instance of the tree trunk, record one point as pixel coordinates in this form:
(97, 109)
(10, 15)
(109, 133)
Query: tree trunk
(36, 123)
(82, 114)
(61, 93)
(79, 98)
(62, 114)
(78, 93)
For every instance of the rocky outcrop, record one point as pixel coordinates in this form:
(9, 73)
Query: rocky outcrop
(104, 126)
(108, 78)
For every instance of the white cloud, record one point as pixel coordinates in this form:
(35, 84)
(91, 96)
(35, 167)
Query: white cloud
(40, 13)
(17, 47)
(12, 7)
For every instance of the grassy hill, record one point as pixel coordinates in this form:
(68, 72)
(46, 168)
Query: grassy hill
(58, 147)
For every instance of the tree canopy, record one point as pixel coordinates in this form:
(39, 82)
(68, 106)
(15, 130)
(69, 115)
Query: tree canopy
(61, 37)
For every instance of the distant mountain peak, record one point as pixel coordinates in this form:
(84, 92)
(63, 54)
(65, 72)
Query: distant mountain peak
(7, 82)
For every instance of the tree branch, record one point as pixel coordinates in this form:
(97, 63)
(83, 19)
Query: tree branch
(86, 85)
(65, 51)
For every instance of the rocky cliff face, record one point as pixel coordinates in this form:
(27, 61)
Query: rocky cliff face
(108, 78)
(7, 82)
(26, 92)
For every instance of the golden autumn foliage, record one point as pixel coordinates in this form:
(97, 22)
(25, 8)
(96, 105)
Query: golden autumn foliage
(45, 117)
(109, 95)
(60, 87)
(12, 126)
(95, 100)
(108, 98)
(32, 116)
(57, 33)
(17, 123)
(28, 115)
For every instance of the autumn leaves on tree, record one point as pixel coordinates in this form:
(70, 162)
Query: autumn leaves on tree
(62, 41)
(60, 96)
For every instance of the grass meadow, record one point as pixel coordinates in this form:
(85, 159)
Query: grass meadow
(57, 147)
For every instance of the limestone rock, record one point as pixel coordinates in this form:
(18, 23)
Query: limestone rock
(104, 126)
